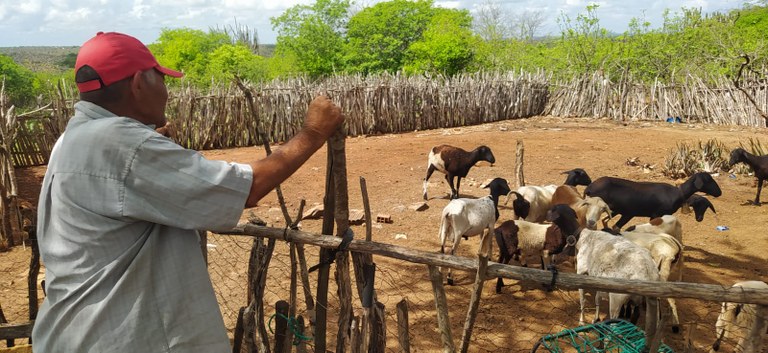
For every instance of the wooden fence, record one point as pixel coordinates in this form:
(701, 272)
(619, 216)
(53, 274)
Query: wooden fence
(692, 101)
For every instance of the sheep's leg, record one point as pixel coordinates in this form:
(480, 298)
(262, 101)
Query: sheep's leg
(430, 170)
(502, 260)
(456, 239)
(449, 179)
(759, 188)
(675, 318)
(458, 185)
(581, 304)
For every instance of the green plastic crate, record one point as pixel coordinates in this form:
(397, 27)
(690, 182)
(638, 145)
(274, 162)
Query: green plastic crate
(606, 336)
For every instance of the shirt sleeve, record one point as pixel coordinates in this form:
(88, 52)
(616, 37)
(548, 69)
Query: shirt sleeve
(170, 185)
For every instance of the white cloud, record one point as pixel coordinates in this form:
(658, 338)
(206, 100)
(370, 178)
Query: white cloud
(29, 7)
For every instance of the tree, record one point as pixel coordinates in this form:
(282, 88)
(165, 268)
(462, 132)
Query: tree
(379, 36)
(236, 59)
(188, 50)
(314, 35)
(19, 82)
(446, 45)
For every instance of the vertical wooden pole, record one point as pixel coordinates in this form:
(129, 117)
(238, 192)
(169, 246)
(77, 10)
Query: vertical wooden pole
(302, 347)
(237, 343)
(474, 303)
(403, 332)
(343, 281)
(323, 272)
(519, 173)
(441, 305)
(281, 326)
(34, 271)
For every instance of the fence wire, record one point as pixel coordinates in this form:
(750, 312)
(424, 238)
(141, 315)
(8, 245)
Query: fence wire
(512, 321)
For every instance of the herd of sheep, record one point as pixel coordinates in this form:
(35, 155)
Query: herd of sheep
(557, 219)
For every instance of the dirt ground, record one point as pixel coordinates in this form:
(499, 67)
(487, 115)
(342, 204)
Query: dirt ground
(394, 167)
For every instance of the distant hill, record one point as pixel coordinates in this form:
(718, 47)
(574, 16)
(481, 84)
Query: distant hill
(43, 59)
(59, 59)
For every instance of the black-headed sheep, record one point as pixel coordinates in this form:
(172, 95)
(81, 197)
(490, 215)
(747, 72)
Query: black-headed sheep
(759, 165)
(469, 217)
(532, 202)
(455, 163)
(648, 199)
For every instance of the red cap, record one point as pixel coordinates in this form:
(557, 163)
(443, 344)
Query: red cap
(116, 56)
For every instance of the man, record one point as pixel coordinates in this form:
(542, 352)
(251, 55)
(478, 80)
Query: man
(120, 206)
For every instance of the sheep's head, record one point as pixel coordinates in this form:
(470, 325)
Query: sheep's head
(595, 208)
(562, 215)
(498, 186)
(577, 176)
(738, 155)
(705, 183)
(520, 205)
(484, 154)
(700, 204)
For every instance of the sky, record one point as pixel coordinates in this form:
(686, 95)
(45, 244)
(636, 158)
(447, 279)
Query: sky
(72, 22)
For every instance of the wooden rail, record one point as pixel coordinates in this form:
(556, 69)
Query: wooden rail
(710, 292)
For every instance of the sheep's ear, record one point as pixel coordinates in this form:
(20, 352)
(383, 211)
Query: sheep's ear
(656, 221)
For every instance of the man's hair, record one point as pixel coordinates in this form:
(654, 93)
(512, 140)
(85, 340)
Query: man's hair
(106, 94)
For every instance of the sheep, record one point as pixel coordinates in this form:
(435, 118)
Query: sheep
(520, 238)
(587, 209)
(602, 254)
(470, 217)
(700, 204)
(667, 224)
(455, 162)
(759, 165)
(648, 199)
(666, 250)
(737, 320)
(532, 202)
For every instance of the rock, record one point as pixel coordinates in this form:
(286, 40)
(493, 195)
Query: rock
(401, 236)
(315, 212)
(419, 206)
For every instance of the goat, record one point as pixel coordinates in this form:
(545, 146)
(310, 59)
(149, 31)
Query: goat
(667, 224)
(587, 209)
(470, 217)
(737, 320)
(759, 165)
(455, 162)
(666, 250)
(533, 202)
(648, 199)
(602, 254)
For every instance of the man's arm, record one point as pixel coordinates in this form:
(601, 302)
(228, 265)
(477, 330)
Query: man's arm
(323, 118)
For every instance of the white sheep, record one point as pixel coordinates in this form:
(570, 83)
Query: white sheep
(667, 224)
(602, 254)
(469, 217)
(736, 320)
(532, 202)
(667, 252)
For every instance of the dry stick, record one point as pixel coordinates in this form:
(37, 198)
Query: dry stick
(281, 326)
(474, 303)
(238, 334)
(754, 340)
(302, 346)
(737, 83)
(329, 202)
(34, 271)
(343, 281)
(519, 175)
(441, 305)
(403, 334)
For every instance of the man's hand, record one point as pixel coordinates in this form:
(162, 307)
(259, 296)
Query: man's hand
(323, 117)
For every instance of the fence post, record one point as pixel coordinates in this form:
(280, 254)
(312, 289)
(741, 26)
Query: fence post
(441, 305)
(343, 281)
(323, 272)
(474, 303)
(281, 326)
(403, 333)
(754, 340)
(519, 161)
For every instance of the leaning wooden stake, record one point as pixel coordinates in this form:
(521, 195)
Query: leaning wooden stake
(474, 303)
(441, 305)
(323, 272)
(281, 326)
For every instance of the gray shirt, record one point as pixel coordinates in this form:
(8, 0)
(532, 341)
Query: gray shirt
(117, 217)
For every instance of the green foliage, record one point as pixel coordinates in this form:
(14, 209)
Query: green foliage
(313, 34)
(446, 46)
(236, 59)
(188, 50)
(379, 36)
(19, 82)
